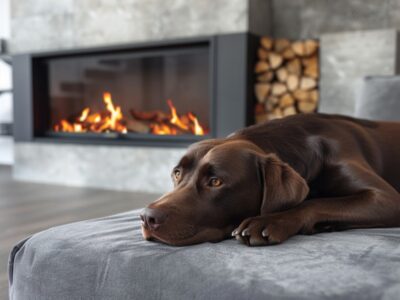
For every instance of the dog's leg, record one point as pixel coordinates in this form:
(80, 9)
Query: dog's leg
(374, 204)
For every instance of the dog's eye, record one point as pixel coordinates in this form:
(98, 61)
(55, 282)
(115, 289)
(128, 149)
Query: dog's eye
(177, 174)
(215, 182)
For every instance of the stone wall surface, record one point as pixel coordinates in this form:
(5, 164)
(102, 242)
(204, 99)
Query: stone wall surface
(298, 19)
(118, 168)
(47, 25)
(348, 57)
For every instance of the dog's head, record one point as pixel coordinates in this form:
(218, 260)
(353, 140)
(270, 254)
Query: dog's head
(217, 184)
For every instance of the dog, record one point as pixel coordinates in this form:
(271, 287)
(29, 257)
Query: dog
(302, 174)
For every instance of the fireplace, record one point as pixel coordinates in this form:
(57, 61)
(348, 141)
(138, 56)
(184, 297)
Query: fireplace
(167, 93)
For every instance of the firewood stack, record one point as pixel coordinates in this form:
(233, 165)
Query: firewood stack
(287, 78)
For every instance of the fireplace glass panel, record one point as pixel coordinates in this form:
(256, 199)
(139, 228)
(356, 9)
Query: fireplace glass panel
(153, 92)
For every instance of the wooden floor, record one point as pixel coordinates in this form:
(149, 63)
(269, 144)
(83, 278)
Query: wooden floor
(26, 208)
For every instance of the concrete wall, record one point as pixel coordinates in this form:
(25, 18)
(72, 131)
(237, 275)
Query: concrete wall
(44, 24)
(117, 168)
(346, 58)
(311, 18)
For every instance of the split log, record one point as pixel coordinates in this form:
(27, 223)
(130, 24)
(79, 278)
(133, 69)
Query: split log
(288, 111)
(265, 77)
(266, 42)
(292, 82)
(277, 113)
(259, 109)
(311, 67)
(275, 60)
(261, 67)
(287, 76)
(282, 74)
(307, 107)
(270, 105)
(261, 118)
(294, 66)
(310, 47)
(262, 91)
(286, 100)
(288, 53)
(307, 83)
(281, 44)
(314, 96)
(262, 54)
(301, 95)
(278, 89)
(299, 48)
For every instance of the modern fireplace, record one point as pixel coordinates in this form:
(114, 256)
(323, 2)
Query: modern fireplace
(167, 93)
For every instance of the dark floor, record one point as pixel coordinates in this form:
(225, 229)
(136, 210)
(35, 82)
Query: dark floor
(26, 208)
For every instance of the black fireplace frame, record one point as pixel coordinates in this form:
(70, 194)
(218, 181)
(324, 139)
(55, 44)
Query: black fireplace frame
(231, 60)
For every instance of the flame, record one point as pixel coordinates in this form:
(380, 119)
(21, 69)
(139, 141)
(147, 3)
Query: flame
(163, 129)
(113, 120)
(197, 130)
(175, 118)
(84, 114)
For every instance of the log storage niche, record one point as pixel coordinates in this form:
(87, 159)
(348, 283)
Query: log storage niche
(287, 75)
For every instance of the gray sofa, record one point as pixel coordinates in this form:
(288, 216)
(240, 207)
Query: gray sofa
(108, 259)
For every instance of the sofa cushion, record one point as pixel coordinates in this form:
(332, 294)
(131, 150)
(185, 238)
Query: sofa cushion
(379, 98)
(107, 258)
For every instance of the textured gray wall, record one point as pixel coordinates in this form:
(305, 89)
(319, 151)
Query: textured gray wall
(47, 25)
(346, 58)
(119, 168)
(311, 18)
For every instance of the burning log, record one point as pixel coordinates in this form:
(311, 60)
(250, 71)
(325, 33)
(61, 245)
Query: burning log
(137, 126)
(287, 76)
(149, 116)
(113, 120)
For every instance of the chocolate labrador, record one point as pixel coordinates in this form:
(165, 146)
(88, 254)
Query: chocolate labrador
(298, 175)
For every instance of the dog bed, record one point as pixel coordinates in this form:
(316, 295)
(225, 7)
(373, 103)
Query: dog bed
(108, 259)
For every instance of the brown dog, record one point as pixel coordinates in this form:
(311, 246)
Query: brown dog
(301, 174)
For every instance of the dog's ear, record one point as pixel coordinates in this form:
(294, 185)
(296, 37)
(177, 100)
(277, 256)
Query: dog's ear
(283, 187)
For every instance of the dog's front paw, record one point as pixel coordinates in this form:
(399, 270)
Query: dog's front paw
(266, 230)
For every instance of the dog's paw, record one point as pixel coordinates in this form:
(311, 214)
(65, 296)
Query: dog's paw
(266, 230)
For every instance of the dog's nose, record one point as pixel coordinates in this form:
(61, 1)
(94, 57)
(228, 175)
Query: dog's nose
(153, 218)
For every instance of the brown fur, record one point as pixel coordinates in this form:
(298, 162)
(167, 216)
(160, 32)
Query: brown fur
(298, 175)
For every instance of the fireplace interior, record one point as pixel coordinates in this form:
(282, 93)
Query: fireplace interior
(153, 92)
(167, 93)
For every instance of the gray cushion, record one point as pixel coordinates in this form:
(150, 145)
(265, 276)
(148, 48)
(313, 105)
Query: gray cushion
(108, 259)
(379, 98)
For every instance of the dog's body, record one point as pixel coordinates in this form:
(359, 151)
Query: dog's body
(300, 174)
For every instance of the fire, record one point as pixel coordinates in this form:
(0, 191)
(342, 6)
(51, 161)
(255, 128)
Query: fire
(175, 118)
(113, 120)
